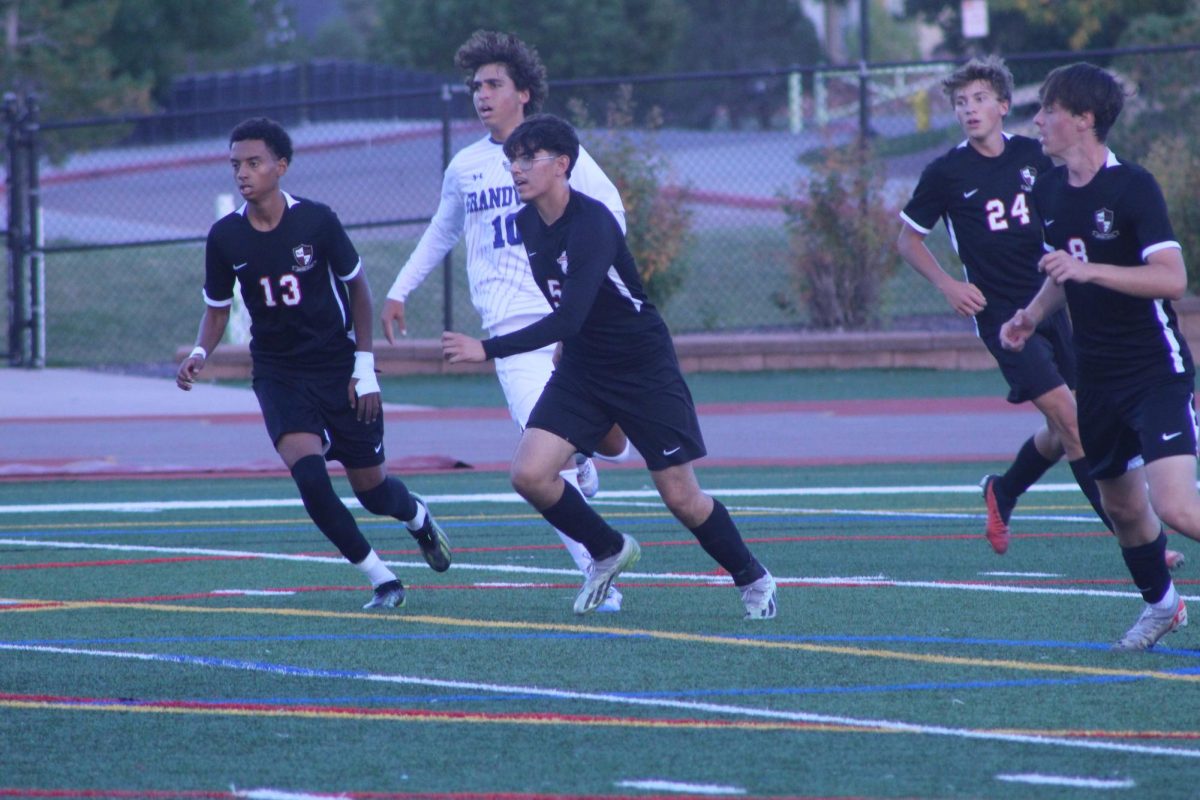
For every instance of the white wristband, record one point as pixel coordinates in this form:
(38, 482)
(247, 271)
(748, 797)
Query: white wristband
(198, 351)
(364, 372)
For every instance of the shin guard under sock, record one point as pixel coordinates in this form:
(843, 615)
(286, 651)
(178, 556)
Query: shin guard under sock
(327, 509)
(574, 517)
(1148, 566)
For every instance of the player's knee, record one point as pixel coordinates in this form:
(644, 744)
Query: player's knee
(1126, 512)
(377, 500)
(311, 476)
(528, 482)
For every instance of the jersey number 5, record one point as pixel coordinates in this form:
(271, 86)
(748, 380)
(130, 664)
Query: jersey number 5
(289, 290)
(995, 212)
(555, 287)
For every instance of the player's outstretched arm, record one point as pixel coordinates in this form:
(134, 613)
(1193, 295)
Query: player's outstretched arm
(212, 328)
(458, 348)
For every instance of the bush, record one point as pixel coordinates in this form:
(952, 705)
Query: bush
(841, 230)
(657, 221)
(1175, 161)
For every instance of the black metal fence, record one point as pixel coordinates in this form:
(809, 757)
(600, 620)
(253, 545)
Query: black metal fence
(106, 218)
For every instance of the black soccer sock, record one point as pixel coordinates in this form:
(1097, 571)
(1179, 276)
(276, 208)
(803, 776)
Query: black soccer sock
(1083, 476)
(720, 539)
(327, 509)
(573, 516)
(389, 499)
(1147, 564)
(1027, 467)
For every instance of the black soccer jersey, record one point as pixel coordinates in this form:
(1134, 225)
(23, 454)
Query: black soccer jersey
(984, 202)
(1119, 218)
(600, 312)
(292, 282)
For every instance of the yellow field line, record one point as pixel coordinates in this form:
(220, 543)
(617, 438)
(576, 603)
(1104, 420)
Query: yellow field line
(693, 638)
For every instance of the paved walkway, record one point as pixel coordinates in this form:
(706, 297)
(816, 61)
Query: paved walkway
(57, 422)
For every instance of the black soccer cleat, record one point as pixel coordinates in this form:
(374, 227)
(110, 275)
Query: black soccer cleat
(387, 595)
(435, 547)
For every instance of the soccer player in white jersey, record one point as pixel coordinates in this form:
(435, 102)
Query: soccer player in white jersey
(1112, 258)
(507, 80)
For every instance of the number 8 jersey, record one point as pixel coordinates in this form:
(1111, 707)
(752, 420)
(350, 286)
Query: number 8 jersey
(986, 205)
(292, 284)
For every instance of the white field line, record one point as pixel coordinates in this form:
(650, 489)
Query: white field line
(514, 498)
(659, 785)
(1060, 780)
(512, 569)
(717, 709)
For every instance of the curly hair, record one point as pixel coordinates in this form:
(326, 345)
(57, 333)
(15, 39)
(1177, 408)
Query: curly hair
(524, 66)
(269, 131)
(989, 69)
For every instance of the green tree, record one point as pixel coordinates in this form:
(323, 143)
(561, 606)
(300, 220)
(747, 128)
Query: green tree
(55, 49)
(186, 35)
(575, 38)
(1024, 26)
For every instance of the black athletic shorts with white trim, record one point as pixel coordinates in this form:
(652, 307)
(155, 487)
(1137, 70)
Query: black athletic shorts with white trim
(1124, 427)
(320, 405)
(1046, 362)
(653, 407)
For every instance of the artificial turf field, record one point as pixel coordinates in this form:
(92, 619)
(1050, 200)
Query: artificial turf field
(200, 638)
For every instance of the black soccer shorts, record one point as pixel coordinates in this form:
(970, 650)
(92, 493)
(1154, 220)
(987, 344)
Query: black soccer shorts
(654, 407)
(1124, 427)
(1046, 362)
(320, 405)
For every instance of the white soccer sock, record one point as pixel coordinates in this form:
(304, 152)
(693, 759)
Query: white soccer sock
(375, 570)
(417, 521)
(1169, 601)
(624, 455)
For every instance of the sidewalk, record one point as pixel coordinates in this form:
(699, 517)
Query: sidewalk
(75, 423)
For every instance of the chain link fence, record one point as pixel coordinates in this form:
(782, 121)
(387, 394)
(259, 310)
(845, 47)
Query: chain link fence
(106, 219)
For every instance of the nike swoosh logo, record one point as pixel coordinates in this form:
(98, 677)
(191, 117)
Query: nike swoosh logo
(532, 253)
(1166, 437)
(236, 267)
(1048, 223)
(672, 451)
(378, 447)
(969, 194)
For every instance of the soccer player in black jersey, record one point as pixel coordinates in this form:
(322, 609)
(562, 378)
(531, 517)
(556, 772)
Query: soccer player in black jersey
(981, 190)
(310, 342)
(1112, 259)
(618, 366)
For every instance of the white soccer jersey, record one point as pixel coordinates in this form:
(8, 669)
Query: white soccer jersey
(478, 198)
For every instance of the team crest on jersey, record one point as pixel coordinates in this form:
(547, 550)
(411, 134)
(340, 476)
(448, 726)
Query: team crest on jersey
(1105, 220)
(1028, 176)
(303, 254)
(562, 262)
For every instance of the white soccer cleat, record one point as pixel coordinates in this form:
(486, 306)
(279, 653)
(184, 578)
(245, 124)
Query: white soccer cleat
(595, 588)
(759, 598)
(612, 602)
(1151, 626)
(589, 477)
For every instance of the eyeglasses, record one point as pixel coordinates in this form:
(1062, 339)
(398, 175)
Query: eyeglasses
(525, 163)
